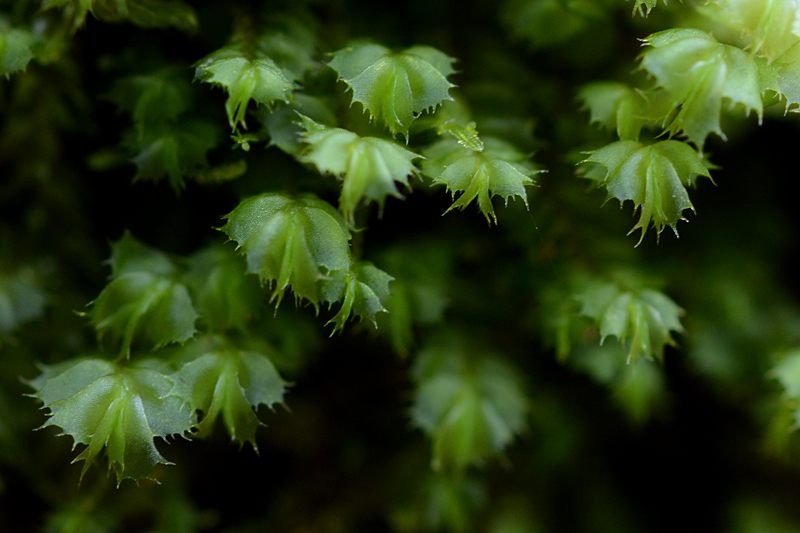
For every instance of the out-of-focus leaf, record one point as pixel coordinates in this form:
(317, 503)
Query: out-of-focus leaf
(471, 405)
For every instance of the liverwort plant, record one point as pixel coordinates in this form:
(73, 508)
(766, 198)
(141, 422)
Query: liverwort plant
(245, 266)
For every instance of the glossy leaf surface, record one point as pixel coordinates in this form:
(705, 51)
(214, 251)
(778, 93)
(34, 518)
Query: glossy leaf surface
(362, 290)
(498, 170)
(144, 299)
(290, 241)
(229, 383)
(368, 167)
(122, 409)
(653, 177)
(244, 78)
(694, 73)
(641, 319)
(395, 87)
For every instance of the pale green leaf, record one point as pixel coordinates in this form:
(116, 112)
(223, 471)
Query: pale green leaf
(122, 409)
(640, 319)
(615, 106)
(244, 78)
(143, 300)
(285, 127)
(367, 166)
(770, 26)
(472, 406)
(231, 383)
(694, 73)
(362, 289)
(395, 87)
(290, 241)
(15, 48)
(653, 177)
(499, 169)
(223, 296)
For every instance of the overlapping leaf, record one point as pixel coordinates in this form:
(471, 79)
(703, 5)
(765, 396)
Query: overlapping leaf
(641, 319)
(395, 87)
(653, 177)
(122, 409)
(419, 294)
(282, 124)
(164, 142)
(694, 73)
(224, 297)
(362, 290)
(244, 76)
(22, 299)
(615, 106)
(545, 23)
(367, 166)
(290, 241)
(15, 48)
(787, 372)
(472, 405)
(231, 383)
(144, 299)
(497, 170)
(145, 13)
(771, 26)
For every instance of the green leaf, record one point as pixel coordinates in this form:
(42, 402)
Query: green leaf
(783, 76)
(395, 87)
(419, 295)
(694, 73)
(498, 170)
(244, 78)
(123, 409)
(224, 297)
(291, 241)
(367, 166)
(152, 99)
(174, 151)
(615, 106)
(22, 299)
(653, 177)
(145, 13)
(363, 288)
(15, 48)
(787, 372)
(285, 131)
(144, 299)
(548, 23)
(472, 405)
(231, 383)
(644, 6)
(641, 319)
(771, 26)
